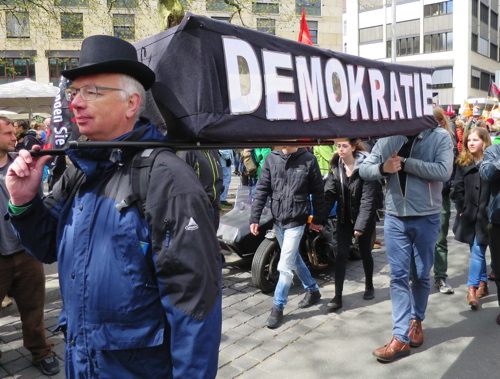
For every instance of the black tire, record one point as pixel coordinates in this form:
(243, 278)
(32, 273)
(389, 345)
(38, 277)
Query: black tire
(265, 265)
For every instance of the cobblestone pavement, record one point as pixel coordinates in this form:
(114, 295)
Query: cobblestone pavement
(313, 343)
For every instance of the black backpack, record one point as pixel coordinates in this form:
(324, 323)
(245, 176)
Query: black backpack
(139, 175)
(141, 165)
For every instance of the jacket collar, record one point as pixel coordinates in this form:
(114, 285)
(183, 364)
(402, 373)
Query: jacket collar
(95, 161)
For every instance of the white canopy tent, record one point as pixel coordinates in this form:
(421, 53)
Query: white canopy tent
(27, 96)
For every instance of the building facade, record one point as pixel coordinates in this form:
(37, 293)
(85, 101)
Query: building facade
(38, 42)
(459, 38)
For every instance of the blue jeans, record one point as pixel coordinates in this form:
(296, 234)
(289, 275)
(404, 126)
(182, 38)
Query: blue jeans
(226, 180)
(410, 243)
(290, 260)
(477, 267)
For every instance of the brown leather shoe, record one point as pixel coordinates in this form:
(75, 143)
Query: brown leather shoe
(391, 351)
(416, 334)
(472, 298)
(482, 290)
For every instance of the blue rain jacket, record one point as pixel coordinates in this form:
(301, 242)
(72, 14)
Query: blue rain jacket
(141, 295)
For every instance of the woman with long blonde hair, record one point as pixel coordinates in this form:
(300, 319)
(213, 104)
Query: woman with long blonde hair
(471, 196)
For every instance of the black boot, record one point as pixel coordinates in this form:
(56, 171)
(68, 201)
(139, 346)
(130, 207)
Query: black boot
(274, 319)
(336, 303)
(369, 293)
(311, 297)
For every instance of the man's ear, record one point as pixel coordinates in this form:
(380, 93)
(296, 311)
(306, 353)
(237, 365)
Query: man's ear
(134, 101)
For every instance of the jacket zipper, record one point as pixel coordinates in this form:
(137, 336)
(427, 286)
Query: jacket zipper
(214, 168)
(167, 233)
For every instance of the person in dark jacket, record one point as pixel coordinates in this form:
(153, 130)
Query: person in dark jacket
(356, 212)
(290, 176)
(140, 283)
(490, 171)
(471, 196)
(206, 165)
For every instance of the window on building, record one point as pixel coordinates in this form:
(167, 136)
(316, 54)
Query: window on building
(71, 25)
(124, 26)
(438, 9)
(262, 7)
(484, 10)
(18, 24)
(56, 65)
(404, 46)
(486, 81)
(442, 77)
(438, 42)
(371, 34)
(13, 69)
(218, 6)
(71, 3)
(474, 8)
(369, 4)
(123, 3)
(475, 78)
(483, 46)
(493, 20)
(474, 42)
(312, 8)
(313, 29)
(218, 18)
(266, 25)
(493, 51)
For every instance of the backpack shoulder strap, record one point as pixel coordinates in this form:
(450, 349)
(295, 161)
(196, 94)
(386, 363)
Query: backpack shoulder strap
(140, 171)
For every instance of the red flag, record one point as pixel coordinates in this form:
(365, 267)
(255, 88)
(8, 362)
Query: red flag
(494, 91)
(304, 34)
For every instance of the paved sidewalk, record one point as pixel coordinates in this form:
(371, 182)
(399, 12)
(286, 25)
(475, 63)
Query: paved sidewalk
(313, 343)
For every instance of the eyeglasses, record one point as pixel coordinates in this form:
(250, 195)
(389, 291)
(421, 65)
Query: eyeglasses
(88, 92)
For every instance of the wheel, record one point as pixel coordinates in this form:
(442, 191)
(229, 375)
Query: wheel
(265, 265)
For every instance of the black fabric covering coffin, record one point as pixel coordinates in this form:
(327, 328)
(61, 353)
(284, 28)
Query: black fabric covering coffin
(190, 96)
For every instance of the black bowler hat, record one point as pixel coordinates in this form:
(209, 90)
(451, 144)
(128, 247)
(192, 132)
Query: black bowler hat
(110, 55)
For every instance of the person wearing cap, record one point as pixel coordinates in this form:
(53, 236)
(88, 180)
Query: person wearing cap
(473, 122)
(141, 285)
(489, 123)
(415, 168)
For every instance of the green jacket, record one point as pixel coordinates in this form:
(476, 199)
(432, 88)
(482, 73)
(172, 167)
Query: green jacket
(324, 154)
(260, 156)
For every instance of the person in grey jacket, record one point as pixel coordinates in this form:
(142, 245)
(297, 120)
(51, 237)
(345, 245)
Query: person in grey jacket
(415, 168)
(490, 171)
(290, 176)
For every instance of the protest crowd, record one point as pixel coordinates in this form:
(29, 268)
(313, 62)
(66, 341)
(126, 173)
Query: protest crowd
(140, 269)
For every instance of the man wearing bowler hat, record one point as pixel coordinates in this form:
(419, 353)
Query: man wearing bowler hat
(140, 282)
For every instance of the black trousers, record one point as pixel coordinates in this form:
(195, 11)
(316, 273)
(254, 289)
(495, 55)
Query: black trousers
(345, 232)
(494, 233)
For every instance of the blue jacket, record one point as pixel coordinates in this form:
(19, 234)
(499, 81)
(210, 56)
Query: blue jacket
(490, 171)
(429, 165)
(141, 295)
